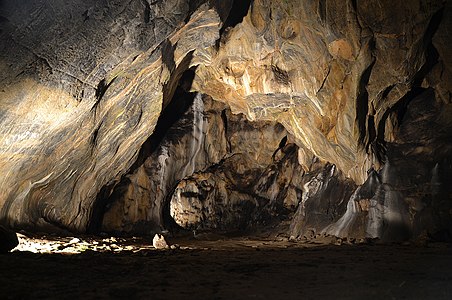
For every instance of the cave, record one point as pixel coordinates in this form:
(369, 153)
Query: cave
(236, 149)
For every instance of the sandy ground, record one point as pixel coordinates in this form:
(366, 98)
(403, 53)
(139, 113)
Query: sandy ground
(235, 268)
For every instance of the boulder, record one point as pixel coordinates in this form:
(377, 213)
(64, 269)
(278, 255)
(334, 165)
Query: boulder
(159, 242)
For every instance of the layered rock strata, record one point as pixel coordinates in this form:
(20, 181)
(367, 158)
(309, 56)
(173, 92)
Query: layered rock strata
(226, 115)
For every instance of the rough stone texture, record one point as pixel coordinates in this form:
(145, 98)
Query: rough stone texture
(324, 201)
(85, 83)
(338, 112)
(245, 190)
(159, 242)
(192, 143)
(212, 171)
(356, 83)
(330, 71)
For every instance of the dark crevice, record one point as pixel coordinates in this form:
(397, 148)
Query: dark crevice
(400, 109)
(168, 55)
(102, 87)
(85, 15)
(190, 194)
(355, 6)
(99, 208)
(370, 186)
(192, 7)
(181, 101)
(282, 144)
(147, 12)
(224, 118)
(386, 91)
(402, 105)
(431, 54)
(322, 11)
(324, 80)
(181, 76)
(374, 144)
(431, 59)
(362, 104)
(237, 12)
(371, 128)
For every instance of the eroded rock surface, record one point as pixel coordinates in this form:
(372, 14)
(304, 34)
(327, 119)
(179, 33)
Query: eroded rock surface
(331, 72)
(82, 89)
(226, 115)
(212, 170)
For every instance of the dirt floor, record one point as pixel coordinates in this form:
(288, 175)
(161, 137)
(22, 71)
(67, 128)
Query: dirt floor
(237, 268)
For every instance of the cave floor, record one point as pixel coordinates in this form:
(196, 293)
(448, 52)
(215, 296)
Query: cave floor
(237, 268)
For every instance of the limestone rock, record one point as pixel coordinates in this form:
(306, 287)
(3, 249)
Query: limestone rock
(76, 108)
(195, 141)
(159, 242)
(325, 192)
(331, 72)
(141, 116)
(213, 156)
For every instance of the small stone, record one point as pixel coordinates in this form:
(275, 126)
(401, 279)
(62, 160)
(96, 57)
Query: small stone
(159, 242)
(8, 240)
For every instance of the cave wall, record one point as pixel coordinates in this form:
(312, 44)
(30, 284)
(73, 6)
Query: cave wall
(334, 116)
(212, 171)
(82, 89)
(331, 72)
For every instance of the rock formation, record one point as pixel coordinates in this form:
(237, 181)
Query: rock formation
(143, 116)
(159, 242)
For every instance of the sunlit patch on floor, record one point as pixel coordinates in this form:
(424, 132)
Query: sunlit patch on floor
(76, 245)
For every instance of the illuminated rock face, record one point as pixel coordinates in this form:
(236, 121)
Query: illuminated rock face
(212, 170)
(82, 89)
(335, 116)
